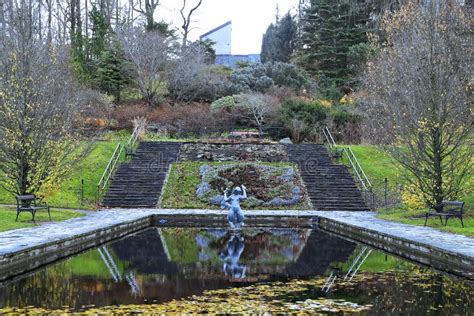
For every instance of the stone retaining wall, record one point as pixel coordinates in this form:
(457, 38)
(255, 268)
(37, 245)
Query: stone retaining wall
(25, 260)
(440, 259)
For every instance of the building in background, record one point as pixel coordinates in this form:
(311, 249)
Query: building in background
(221, 36)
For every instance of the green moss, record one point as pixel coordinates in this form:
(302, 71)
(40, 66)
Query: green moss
(8, 215)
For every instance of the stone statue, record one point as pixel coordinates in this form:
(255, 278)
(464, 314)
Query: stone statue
(235, 216)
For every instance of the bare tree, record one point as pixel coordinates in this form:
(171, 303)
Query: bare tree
(419, 95)
(49, 10)
(149, 54)
(189, 74)
(38, 107)
(186, 17)
(147, 9)
(257, 108)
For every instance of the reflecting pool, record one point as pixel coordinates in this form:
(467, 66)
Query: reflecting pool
(256, 270)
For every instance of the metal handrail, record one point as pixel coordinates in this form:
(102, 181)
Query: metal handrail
(114, 160)
(136, 133)
(360, 168)
(353, 165)
(109, 170)
(139, 128)
(329, 138)
(361, 176)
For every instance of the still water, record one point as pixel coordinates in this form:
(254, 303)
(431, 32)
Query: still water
(258, 269)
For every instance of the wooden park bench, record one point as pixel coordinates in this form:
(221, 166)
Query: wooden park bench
(29, 203)
(450, 209)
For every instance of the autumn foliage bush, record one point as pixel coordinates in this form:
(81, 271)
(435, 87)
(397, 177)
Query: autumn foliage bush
(122, 116)
(194, 119)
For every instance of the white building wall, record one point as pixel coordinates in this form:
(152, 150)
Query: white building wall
(222, 37)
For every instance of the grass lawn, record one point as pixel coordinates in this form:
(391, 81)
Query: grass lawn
(378, 166)
(407, 217)
(180, 191)
(90, 169)
(8, 215)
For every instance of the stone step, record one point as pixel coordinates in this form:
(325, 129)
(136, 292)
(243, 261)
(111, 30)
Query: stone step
(139, 182)
(330, 186)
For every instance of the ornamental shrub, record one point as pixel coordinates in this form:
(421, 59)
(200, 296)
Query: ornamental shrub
(412, 198)
(224, 103)
(303, 119)
(262, 77)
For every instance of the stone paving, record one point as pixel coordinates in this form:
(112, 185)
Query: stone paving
(21, 239)
(426, 235)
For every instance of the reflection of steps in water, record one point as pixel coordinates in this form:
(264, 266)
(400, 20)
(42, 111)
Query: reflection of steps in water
(144, 252)
(321, 251)
(359, 256)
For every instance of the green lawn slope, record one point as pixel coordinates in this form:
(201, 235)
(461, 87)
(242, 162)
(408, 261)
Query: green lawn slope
(378, 166)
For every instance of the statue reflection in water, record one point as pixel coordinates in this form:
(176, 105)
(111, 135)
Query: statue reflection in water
(231, 257)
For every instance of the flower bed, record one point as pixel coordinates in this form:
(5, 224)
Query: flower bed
(201, 185)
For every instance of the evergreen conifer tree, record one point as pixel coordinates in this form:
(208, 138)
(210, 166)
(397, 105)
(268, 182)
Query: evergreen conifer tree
(278, 42)
(329, 29)
(112, 75)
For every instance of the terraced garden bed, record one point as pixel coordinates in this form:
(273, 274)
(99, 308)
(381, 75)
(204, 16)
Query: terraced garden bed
(202, 184)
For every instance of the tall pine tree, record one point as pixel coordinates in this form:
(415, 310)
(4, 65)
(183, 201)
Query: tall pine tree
(329, 29)
(278, 42)
(112, 75)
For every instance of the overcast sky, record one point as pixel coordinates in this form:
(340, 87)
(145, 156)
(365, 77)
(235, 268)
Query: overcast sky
(250, 19)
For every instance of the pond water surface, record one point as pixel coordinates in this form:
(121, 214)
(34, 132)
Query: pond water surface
(258, 269)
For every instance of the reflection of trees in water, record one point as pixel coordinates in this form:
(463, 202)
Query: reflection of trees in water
(43, 288)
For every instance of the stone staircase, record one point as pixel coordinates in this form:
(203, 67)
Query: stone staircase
(138, 183)
(330, 186)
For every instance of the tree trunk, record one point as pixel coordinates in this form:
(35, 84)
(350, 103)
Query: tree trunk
(49, 3)
(438, 169)
(72, 20)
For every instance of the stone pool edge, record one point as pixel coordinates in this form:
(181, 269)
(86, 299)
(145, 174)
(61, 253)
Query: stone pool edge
(440, 259)
(46, 249)
(27, 258)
